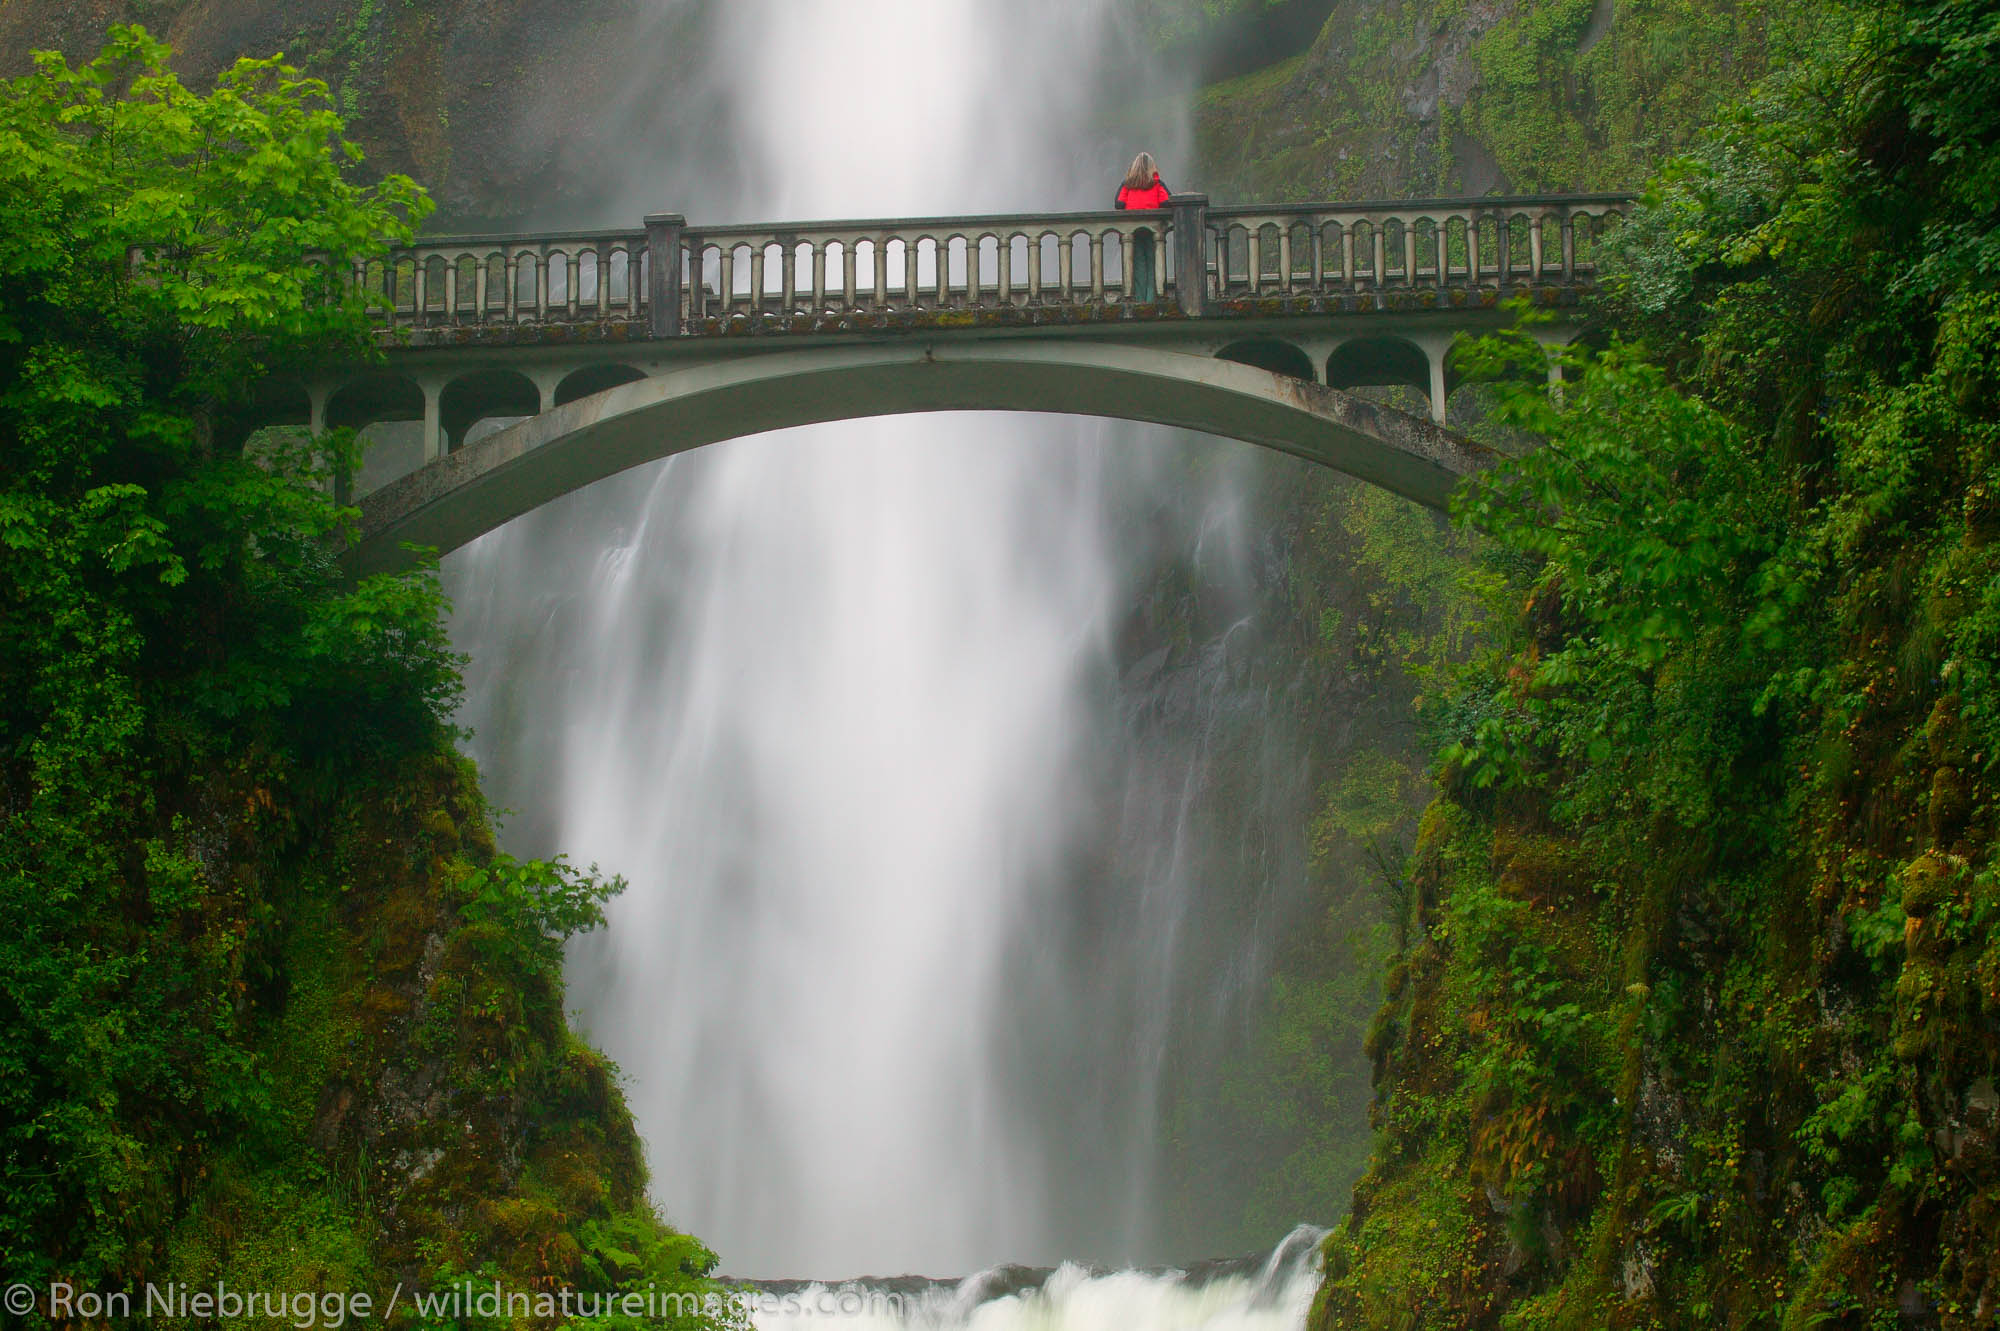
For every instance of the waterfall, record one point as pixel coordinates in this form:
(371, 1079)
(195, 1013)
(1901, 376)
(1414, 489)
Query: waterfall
(846, 706)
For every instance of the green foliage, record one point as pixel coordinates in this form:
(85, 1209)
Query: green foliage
(174, 612)
(246, 892)
(1698, 1005)
(533, 907)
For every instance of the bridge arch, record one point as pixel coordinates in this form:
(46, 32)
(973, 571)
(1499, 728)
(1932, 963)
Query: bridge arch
(1373, 361)
(466, 493)
(1273, 354)
(372, 398)
(593, 379)
(473, 398)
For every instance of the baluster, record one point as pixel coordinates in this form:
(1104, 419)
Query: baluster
(756, 278)
(1535, 249)
(1066, 261)
(1097, 267)
(1381, 269)
(1409, 253)
(847, 247)
(421, 310)
(910, 272)
(1034, 270)
(1285, 259)
(941, 252)
(1472, 259)
(1253, 249)
(727, 294)
(479, 291)
(881, 266)
(1569, 247)
(573, 280)
(818, 275)
(1005, 258)
(1504, 260)
(1319, 256)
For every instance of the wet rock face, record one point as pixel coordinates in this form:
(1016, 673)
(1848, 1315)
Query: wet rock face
(1361, 113)
(1403, 98)
(498, 106)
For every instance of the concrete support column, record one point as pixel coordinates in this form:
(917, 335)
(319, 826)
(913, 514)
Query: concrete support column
(663, 284)
(1190, 223)
(316, 398)
(433, 422)
(1435, 355)
(546, 383)
(1553, 341)
(1319, 350)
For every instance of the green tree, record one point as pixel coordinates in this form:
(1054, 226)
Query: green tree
(175, 631)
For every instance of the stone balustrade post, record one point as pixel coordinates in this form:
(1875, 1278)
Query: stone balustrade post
(1190, 222)
(663, 286)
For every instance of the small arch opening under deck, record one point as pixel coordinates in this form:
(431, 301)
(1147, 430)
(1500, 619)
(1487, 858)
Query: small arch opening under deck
(499, 397)
(593, 379)
(1270, 353)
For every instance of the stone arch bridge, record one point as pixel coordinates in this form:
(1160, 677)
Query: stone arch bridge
(537, 364)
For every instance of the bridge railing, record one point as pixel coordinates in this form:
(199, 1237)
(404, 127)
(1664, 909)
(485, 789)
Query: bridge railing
(940, 263)
(1426, 243)
(570, 277)
(1201, 257)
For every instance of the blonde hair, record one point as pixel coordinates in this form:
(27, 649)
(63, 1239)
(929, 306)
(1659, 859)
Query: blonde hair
(1144, 171)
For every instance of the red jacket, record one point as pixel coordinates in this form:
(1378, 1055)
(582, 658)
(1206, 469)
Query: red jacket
(1155, 196)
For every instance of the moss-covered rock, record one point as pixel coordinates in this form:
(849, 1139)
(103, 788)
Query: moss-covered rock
(433, 1115)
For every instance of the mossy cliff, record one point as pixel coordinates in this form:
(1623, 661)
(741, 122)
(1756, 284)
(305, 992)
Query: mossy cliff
(418, 1108)
(1425, 97)
(1698, 1023)
(274, 1013)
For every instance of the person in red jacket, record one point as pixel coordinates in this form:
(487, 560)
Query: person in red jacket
(1143, 190)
